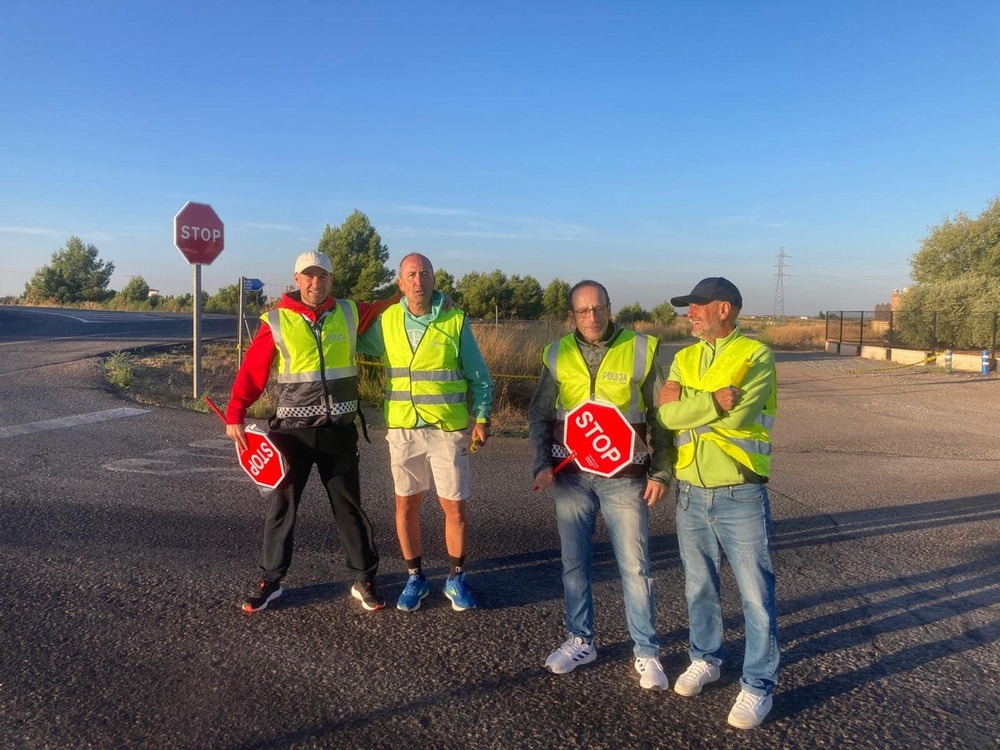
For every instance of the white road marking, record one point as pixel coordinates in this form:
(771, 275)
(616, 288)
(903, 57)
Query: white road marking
(74, 421)
(176, 461)
(162, 468)
(77, 318)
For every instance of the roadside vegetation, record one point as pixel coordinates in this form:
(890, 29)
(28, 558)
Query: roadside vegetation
(512, 352)
(800, 335)
(77, 276)
(119, 369)
(514, 317)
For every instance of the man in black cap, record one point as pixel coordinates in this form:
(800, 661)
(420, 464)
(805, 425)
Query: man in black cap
(720, 399)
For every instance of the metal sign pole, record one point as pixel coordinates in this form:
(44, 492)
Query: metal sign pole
(196, 375)
(241, 284)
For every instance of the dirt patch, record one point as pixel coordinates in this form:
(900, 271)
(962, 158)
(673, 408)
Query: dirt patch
(166, 378)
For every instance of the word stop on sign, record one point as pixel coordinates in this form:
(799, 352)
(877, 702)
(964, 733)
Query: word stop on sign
(600, 436)
(205, 234)
(599, 440)
(256, 460)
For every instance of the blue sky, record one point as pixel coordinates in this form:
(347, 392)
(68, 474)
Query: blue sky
(644, 144)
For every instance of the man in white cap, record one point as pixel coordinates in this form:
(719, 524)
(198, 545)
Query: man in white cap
(313, 336)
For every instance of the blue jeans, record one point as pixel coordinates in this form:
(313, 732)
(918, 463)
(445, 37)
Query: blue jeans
(626, 515)
(736, 520)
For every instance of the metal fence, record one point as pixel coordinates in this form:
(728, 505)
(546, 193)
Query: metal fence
(915, 329)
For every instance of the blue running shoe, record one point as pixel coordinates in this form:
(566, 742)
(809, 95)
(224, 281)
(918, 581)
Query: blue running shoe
(416, 589)
(456, 590)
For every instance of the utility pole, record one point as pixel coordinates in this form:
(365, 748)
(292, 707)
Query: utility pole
(779, 287)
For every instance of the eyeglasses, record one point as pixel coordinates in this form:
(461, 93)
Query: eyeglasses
(587, 311)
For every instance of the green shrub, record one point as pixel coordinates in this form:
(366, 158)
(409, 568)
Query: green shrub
(119, 369)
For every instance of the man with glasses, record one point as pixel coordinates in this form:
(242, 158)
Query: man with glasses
(721, 398)
(602, 361)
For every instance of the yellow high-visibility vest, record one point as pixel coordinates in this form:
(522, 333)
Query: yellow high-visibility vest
(619, 378)
(317, 370)
(428, 382)
(749, 446)
(625, 367)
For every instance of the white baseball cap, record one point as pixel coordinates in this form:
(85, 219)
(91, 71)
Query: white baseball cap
(308, 260)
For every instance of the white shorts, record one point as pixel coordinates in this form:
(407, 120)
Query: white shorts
(418, 455)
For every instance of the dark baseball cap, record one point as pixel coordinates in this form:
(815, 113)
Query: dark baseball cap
(709, 290)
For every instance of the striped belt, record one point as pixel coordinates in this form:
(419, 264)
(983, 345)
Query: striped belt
(319, 410)
(561, 451)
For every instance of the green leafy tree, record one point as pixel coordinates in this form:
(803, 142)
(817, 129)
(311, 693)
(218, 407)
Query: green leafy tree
(956, 313)
(960, 246)
(256, 302)
(957, 290)
(632, 313)
(444, 282)
(555, 299)
(485, 294)
(136, 290)
(178, 303)
(226, 301)
(663, 314)
(525, 298)
(359, 259)
(74, 275)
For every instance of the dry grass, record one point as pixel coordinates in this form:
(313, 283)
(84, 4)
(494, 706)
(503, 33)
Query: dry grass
(679, 328)
(167, 379)
(807, 335)
(512, 352)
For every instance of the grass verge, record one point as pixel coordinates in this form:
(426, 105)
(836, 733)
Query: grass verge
(512, 352)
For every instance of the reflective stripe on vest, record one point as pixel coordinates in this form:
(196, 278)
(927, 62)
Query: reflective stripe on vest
(426, 383)
(317, 383)
(745, 444)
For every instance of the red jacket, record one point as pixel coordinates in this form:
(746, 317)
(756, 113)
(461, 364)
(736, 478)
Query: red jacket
(256, 368)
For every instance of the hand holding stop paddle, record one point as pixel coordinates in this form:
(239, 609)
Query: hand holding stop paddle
(259, 457)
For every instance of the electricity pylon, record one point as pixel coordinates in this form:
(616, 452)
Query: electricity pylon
(779, 287)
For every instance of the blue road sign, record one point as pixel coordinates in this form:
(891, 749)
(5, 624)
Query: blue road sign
(252, 285)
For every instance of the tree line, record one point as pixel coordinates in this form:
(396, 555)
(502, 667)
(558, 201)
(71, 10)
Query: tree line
(956, 275)
(76, 274)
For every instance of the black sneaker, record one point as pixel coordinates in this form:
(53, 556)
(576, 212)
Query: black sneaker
(364, 591)
(264, 592)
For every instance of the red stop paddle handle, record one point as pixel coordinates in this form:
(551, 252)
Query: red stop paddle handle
(562, 464)
(215, 408)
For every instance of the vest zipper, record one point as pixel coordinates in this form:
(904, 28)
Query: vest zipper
(317, 329)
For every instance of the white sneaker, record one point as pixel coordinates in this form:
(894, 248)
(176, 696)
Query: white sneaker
(749, 710)
(699, 674)
(570, 655)
(651, 673)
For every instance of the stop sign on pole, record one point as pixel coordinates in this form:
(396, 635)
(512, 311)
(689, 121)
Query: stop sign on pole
(602, 438)
(198, 233)
(262, 460)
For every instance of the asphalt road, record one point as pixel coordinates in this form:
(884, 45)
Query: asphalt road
(130, 537)
(36, 336)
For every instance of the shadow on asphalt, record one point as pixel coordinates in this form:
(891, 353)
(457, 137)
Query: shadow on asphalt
(865, 524)
(881, 608)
